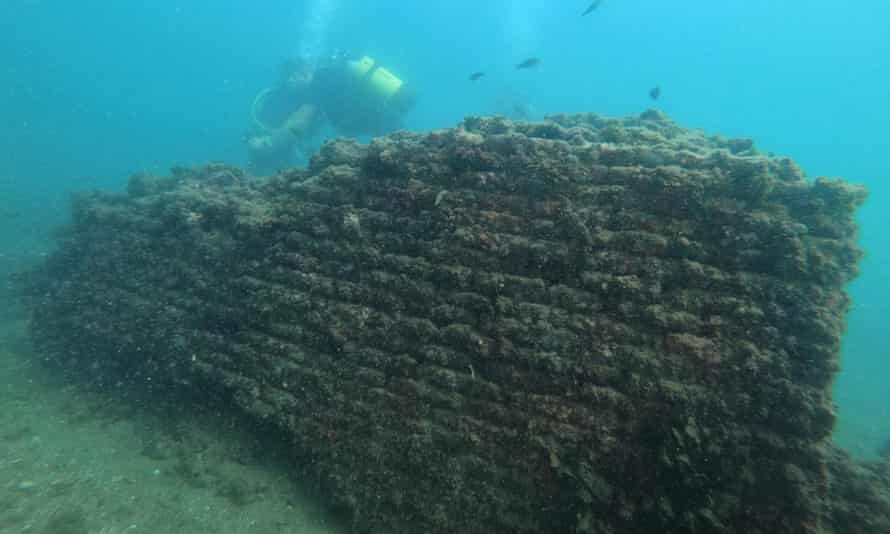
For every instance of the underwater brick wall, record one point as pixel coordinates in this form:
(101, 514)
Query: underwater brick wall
(580, 325)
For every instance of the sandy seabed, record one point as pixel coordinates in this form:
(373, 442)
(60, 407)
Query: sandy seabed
(73, 461)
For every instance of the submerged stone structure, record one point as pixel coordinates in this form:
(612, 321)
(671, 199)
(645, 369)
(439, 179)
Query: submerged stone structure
(583, 325)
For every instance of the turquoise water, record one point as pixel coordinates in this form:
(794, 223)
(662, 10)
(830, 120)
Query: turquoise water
(92, 91)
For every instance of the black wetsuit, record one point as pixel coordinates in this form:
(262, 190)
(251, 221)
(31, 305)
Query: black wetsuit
(350, 103)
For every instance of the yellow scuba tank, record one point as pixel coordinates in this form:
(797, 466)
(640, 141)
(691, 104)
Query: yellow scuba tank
(381, 81)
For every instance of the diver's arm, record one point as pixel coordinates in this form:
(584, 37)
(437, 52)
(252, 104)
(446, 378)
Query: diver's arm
(285, 138)
(299, 122)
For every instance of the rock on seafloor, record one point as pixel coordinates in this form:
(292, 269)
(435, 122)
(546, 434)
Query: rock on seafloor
(584, 324)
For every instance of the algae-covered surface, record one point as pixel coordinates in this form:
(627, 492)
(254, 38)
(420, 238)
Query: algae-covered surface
(74, 461)
(583, 325)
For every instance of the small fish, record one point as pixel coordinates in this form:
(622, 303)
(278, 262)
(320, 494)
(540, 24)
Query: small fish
(592, 7)
(476, 75)
(529, 63)
(655, 92)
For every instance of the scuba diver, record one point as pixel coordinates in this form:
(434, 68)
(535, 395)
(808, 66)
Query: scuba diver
(355, 96)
